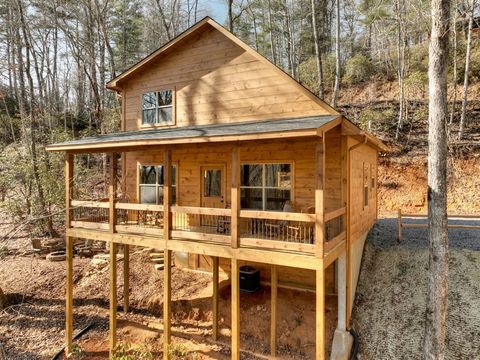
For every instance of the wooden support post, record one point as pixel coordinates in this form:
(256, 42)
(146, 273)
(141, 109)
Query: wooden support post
(235, 284)
(320, 315)
(69, 250)
(112, 192)
(235, 197)
(167, 259)
(113, 298)
(399, 225)
(215, 279)
(319, 197)
(126, 277)
(273, 310)
(167, 303)
(167, 184)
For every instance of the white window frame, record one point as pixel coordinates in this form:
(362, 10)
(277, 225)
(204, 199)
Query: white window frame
(263, 187)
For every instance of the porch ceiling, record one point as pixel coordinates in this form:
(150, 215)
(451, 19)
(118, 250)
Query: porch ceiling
(251, 130)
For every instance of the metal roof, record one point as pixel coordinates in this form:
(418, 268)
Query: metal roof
(196, 133)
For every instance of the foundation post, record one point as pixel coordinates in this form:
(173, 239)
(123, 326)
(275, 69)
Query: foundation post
(69, 250)
(235, 283)
(273, 310)
(126, 277)
(215, 298)
(320, 314)
(113, 298)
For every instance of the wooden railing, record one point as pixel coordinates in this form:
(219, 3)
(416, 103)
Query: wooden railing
(275, 230)
(401, 224)
(199, 223)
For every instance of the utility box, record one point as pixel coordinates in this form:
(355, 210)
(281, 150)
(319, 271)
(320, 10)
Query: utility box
(249, 279)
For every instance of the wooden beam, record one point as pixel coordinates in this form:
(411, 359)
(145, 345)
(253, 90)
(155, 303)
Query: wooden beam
(320, 316)
(69, 297)
(235, 284)
(319, 197)
(69, 161)
(235, 197)
(167, 183)
(273, 310)
(113, 299)
(215, 279)
(399, 225)
(112, 193)
(126, 277)
(167, 303)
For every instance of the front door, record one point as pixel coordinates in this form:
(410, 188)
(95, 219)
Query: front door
(213, 186)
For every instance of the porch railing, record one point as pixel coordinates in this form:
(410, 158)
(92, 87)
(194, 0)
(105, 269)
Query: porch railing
(272, 230)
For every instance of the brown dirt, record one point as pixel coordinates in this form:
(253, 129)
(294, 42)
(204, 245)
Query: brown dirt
(32, 327)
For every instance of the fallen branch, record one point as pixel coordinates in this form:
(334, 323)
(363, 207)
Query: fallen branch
(80, 333)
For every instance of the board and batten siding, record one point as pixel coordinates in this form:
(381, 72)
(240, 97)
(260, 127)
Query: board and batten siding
(216, 81)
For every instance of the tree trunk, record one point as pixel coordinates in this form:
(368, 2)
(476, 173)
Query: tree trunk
(467, 70)
(437, 292)
(455, 75)
(318, 54)
(270, 30)
(336, 87)
(230, 16)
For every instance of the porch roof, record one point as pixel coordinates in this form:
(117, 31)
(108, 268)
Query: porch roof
(251, 130)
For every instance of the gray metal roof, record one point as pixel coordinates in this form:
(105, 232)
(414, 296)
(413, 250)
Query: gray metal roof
(189, 132)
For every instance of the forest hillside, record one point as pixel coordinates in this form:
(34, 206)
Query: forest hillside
(369, 58)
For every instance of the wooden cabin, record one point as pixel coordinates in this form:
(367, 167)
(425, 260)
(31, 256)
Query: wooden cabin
(226, 158)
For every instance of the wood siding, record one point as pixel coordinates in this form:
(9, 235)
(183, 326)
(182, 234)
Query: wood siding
(363, 166)
(217, 81)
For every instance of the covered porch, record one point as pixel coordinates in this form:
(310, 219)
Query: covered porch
(306, 229)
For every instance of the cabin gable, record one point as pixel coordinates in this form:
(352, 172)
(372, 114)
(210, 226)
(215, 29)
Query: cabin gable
(215, 80)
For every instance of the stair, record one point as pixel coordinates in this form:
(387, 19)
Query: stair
(157, 258)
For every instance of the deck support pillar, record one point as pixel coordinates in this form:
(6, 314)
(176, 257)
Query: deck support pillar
(112, 192)
(273, 310)
(320, 315)
(235, 284)
(342, 339)
(69, 161)
(215, 279)
(113, 298)
(167, 303)
(126, 277)
(167, 258)
(319, 247)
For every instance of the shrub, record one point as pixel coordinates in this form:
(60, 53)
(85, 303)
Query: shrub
(359, 68)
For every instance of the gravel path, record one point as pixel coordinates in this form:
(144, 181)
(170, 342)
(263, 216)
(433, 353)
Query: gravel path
(390, 303)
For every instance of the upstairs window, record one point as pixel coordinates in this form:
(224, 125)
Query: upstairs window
(265, 186)
(157, 108)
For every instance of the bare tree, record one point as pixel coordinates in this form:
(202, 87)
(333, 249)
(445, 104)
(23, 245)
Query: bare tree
(318, 54)
(467, 69)
(336, 87)
(435, 329)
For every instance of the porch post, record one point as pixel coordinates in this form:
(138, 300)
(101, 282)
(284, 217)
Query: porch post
(235, 197)
(235, 284)
(126, 277)
(112, 189)
(215, 297)
(273, 310)
(167, 259)
(69, 252)
(319, 247)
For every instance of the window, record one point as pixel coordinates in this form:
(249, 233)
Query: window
(151, 184)
(212, 182)
(265, 186)
(366, 183)
(157, 107)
